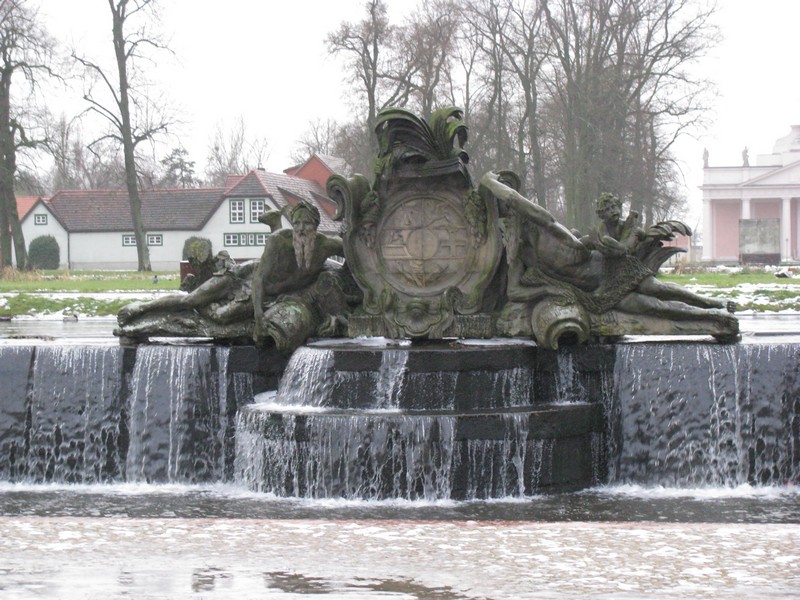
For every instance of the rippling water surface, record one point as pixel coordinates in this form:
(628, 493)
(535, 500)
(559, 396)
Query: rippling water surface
(143, 541)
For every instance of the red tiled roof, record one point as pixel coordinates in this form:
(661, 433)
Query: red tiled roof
(108, 210)
(337, 165)
(25, 204)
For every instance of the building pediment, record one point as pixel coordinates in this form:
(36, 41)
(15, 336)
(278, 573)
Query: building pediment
(788, 175)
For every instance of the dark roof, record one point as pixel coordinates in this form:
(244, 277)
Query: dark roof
(108, 210)
(286, 189)
(248, 186)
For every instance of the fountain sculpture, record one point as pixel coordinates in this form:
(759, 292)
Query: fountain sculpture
(461, 351)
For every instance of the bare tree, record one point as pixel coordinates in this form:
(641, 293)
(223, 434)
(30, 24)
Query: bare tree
(426, 49)
(620, 80)
(26, 50)
(319, 138)
(78, 166)
(233, 151)
(380, 76)
(133, 116)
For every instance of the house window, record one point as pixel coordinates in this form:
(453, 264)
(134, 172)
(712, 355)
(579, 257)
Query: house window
(128, 240)
(237, 211)
(256, 210)
(155, 239)
(40, 219)
(245, 239)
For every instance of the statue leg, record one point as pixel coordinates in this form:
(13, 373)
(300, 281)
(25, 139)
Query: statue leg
(637, 303)
(231, 312)
(664, 290)
(207, 293)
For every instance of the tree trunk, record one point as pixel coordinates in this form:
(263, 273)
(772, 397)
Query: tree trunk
(10, 228)
(128, 144)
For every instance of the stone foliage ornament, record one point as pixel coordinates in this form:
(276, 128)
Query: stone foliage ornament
(430, 256)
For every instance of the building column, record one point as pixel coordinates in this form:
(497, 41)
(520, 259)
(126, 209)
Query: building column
(708, 230)
(746, 208)
(786, 229)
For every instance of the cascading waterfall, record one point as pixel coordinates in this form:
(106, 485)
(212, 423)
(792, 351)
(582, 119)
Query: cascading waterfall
(307, 378)
(415, 423)
(499, 467)
(358, 456)
(74, 428)
(391, 378)
(705, 414)
(407, 425)
(177, 415)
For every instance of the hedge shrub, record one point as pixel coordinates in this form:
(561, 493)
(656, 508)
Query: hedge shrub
(44, 253)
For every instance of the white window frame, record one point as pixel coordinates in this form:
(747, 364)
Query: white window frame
(128, 239)
(231, 239)
(40, 219)
(155, 239)
(236, 213)
(261, 239)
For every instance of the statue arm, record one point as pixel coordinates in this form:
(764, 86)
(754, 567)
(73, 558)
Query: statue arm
(534, 213)
(491, 183)
(333, 246)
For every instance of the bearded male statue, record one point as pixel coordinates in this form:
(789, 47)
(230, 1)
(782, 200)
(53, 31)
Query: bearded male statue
(296, 293)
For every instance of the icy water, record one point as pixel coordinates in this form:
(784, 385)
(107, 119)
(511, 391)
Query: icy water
(140, 541)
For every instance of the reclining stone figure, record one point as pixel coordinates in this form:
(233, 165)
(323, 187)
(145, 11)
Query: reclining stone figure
(292, 293)
(220, 307)
(600, 285)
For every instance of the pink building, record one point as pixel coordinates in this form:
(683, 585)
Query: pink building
(752, 212)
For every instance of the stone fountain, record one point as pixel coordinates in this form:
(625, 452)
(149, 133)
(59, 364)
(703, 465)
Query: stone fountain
(464, 350)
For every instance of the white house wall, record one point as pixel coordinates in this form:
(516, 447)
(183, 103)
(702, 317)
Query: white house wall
(52, 227)
(220, 224)
(105, 250)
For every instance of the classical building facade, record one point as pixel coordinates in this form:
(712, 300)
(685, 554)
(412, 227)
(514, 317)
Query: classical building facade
(751, 212)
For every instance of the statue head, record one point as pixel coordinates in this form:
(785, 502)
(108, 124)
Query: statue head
(305, 219)
(609, 207)
(222, 262)
(302, 214)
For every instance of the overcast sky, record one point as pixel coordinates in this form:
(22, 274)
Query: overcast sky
(266, 61)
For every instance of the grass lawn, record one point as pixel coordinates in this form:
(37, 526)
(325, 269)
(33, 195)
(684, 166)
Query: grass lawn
(88, 282)
(25, 293)
(725, 280)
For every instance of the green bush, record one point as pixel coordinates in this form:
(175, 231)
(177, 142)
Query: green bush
(197, 248)
(44, 252)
